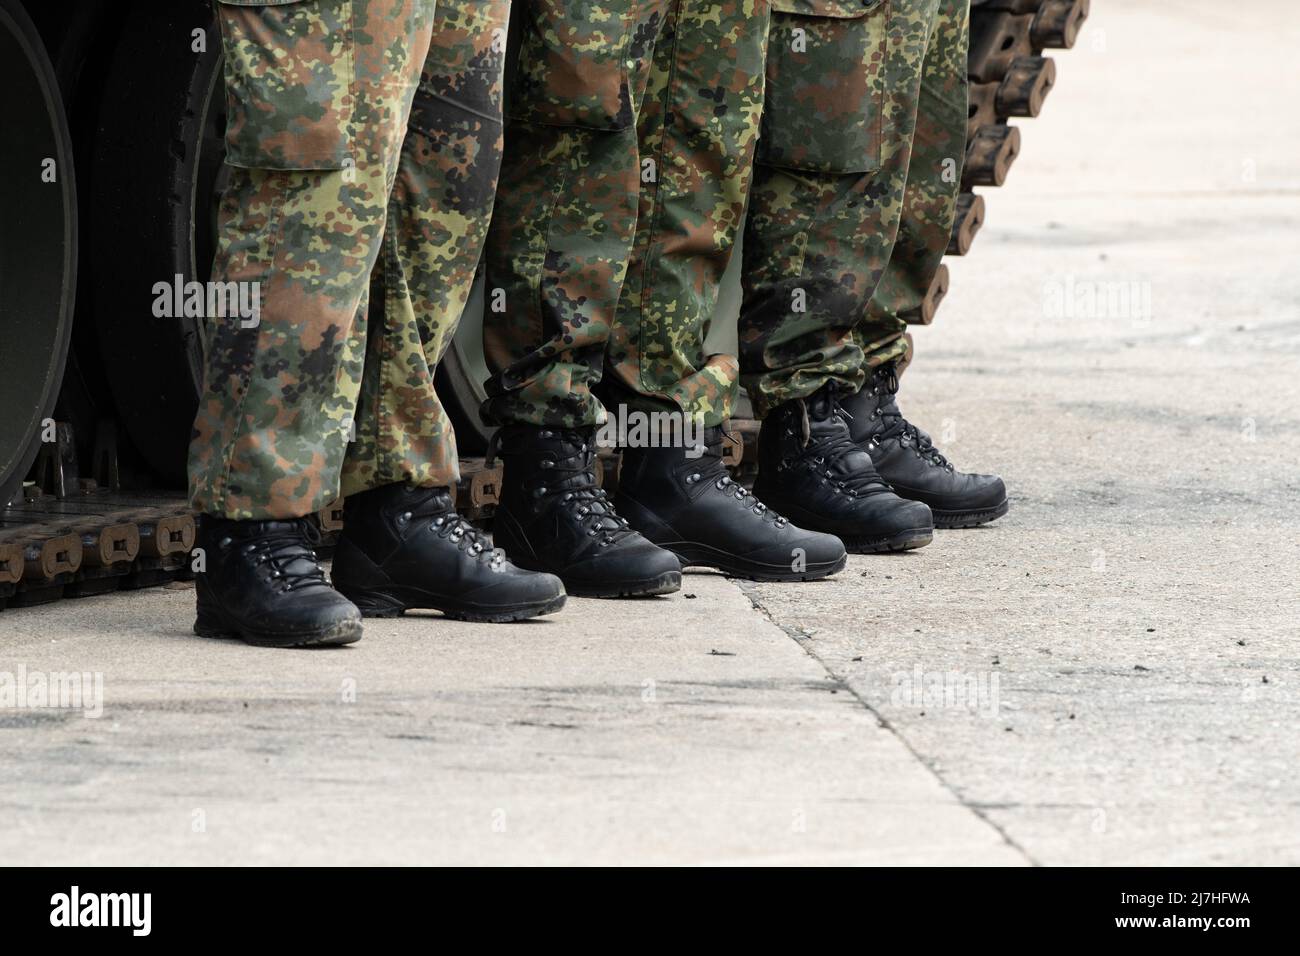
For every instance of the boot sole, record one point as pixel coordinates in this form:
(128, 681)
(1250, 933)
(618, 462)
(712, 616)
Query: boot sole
(969, 519)
(344, 632)
(902, 541)
(702, 556)
(393, 603)
(665, 583)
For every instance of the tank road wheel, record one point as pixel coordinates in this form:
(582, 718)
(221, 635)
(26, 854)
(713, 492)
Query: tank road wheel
(461, 376)
(38, 244)
(158, 162)
(160, 172)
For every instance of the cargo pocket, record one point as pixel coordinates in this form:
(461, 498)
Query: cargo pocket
(289, 73)
(824, 105)
(573, 65)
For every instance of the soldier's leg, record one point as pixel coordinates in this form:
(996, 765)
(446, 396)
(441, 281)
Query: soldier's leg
(934, 171)
(403, 546)
(556, 259)
(828, 192)
(566, 211)
(697, 131)
(905, 455)
(439, 210)
(843, 90)
(316, 125)
(318, 94)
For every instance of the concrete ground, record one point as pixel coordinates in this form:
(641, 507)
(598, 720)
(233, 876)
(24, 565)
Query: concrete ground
(1107, 675)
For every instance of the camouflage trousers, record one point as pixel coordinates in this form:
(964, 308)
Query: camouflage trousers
(360, 132)
(855, 187)
(628, 158)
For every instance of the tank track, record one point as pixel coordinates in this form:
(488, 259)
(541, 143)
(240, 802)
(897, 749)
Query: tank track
(1010, 78)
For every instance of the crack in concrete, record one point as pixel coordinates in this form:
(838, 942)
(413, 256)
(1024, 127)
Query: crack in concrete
(751, 593)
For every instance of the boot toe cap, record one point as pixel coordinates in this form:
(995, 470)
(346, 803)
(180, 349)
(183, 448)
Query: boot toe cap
(911, 515)
(636, 563)
(518, 588)
(815, 548)
(989, 489)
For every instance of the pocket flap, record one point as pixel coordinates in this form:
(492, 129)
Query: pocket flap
(289, 76)
(838, 9)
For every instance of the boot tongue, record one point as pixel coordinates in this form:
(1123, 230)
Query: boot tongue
(292, 546)
(573, 463)
(428, 502)
(884, 389)
(572, 472)
(826, 422)
(854, 461)
(301, 565)
(891, 416)
(708, 452)
(829, 429)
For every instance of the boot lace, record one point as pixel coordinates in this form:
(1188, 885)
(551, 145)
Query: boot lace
(575, 476)
(289, 556)
(446, 523)
(885, 384)
(711, 467)
(834, 445)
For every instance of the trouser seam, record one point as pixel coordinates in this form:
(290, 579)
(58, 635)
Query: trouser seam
(657, 207)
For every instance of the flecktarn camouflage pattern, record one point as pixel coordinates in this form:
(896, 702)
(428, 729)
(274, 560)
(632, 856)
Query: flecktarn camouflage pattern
(848, 219)
(328, 181)
(602, 200)
(698, 130)
(853, 194)
(933, 183)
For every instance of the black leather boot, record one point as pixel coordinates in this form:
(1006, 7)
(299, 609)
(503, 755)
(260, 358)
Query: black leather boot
(553, 517)
(404, 548)
(906, 457)
(810, 470)
(685, 500)
(261, 582)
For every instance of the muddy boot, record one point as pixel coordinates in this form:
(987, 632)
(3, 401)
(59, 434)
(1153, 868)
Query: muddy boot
(261, 582)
